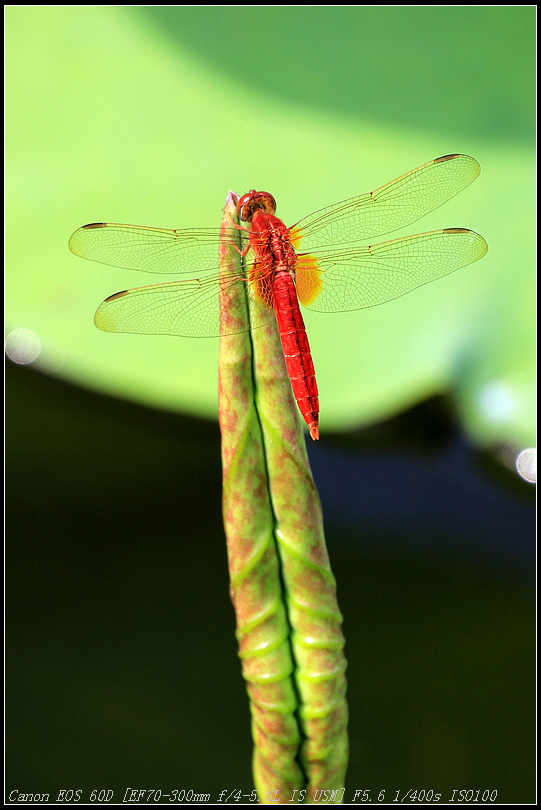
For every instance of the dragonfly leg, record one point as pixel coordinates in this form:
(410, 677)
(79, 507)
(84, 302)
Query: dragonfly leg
(242, 253)
(236, 225)
(239, 228)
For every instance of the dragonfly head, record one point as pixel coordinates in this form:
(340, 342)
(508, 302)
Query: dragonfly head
(254, 200)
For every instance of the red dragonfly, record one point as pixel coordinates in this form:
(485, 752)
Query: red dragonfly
(317, 262)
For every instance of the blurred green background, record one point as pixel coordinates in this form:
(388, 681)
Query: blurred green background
(122, 659)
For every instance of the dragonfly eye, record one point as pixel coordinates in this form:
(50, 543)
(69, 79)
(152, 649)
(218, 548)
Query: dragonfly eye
(254, 200)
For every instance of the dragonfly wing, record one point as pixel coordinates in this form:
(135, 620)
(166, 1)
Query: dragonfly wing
(153, 250)
(194, 308)
(390, 207)
(360, 277)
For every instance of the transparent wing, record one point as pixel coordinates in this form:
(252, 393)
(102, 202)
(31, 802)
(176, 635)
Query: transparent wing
(153, 250)
(360, 277)
(390, 207)
(188, 308)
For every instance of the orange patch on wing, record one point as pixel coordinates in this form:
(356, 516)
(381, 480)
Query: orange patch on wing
(307, 279)
(261, 284)
(295, 236)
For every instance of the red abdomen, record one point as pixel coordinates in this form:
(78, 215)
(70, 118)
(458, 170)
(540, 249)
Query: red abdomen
(296, 349)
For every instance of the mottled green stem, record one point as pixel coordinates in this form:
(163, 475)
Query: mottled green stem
(288, 622)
